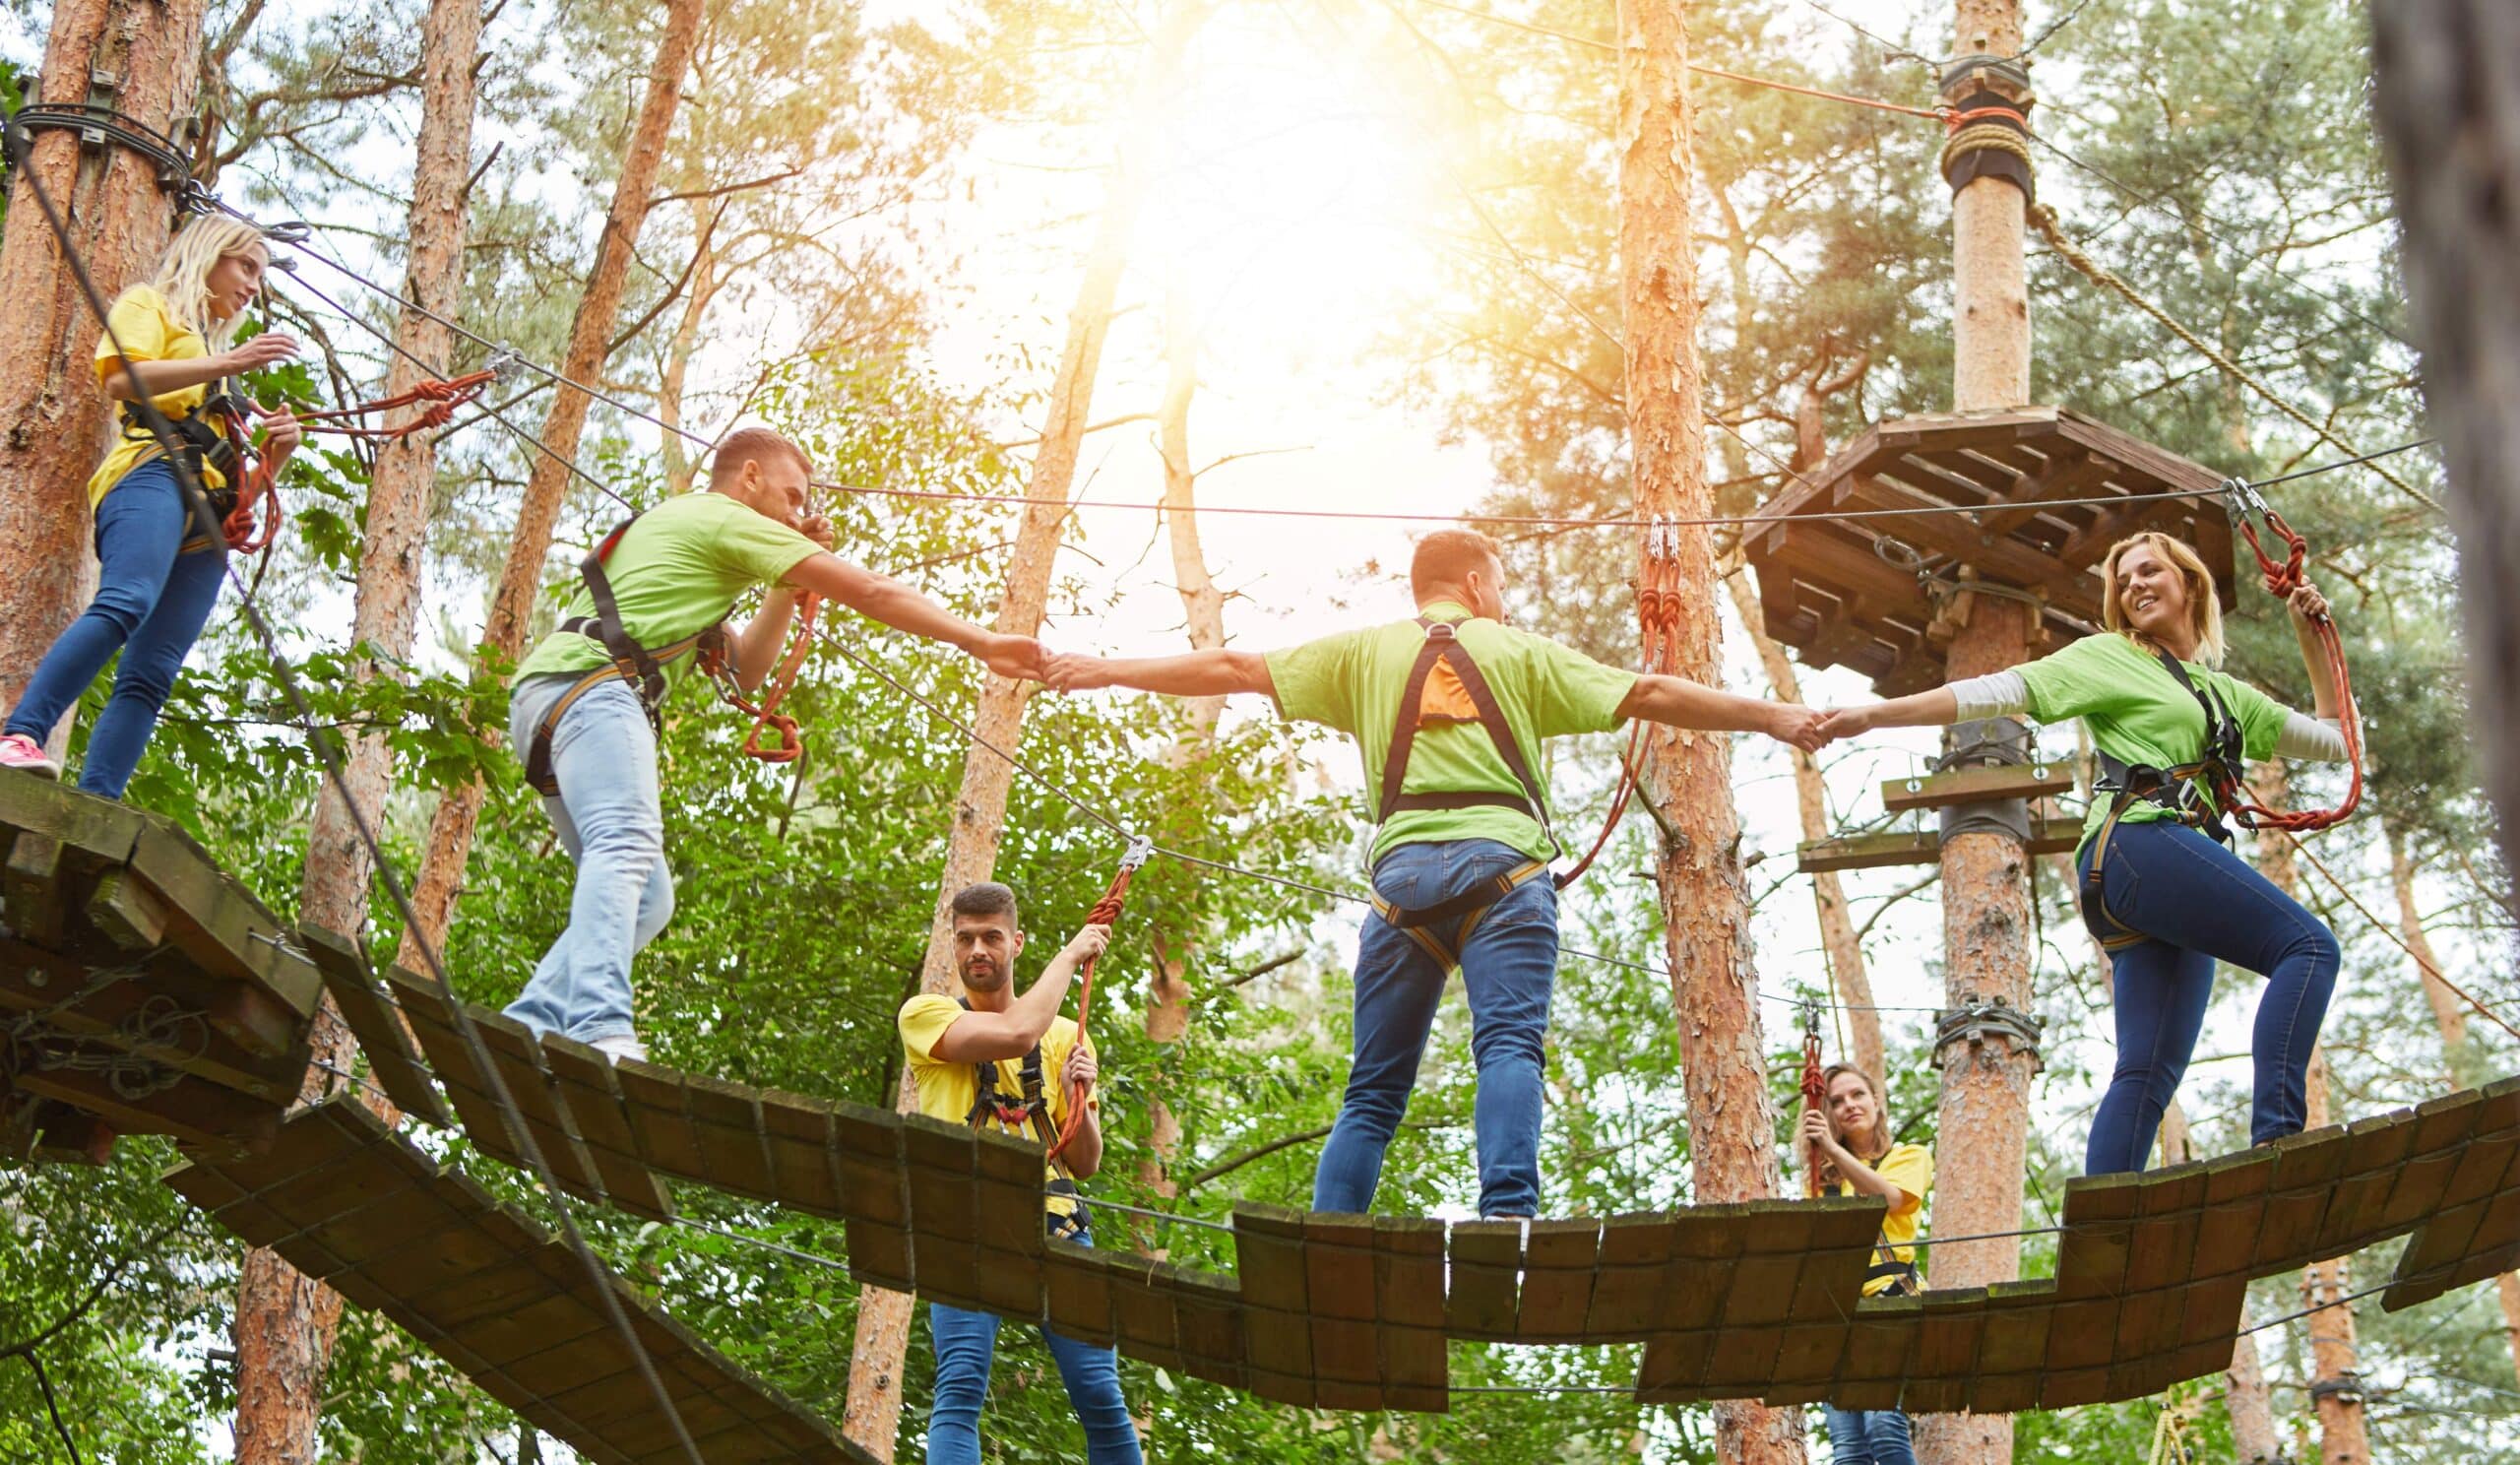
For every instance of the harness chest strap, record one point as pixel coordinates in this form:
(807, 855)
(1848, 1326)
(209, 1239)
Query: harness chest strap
(1032, 1114)
(2174, 788)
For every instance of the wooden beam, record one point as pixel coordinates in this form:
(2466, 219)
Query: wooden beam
(2048, 835)
(1977, 785)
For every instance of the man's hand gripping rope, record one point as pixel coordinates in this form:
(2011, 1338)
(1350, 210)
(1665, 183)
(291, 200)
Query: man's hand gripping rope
(1105, 912)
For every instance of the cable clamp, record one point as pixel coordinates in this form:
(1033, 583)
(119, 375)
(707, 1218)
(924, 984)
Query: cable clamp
(1978, 1018)
(2345, 1389)
(504, 364)
(1141, 850)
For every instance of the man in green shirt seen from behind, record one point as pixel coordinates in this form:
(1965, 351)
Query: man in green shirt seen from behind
(583, 707)
(1449, 710)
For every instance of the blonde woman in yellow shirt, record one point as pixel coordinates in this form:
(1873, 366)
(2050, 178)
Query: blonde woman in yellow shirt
(156, 577)
(1856, 1157)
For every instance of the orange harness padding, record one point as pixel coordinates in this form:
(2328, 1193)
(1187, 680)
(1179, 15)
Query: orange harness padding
(1105, 910)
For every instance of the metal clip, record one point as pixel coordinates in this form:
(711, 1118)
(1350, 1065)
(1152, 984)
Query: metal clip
(1141, 850)
(2245, 497)
(503, 364)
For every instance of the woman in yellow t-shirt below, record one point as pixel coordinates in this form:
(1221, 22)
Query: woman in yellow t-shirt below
(1856, 1157)
(157, 577)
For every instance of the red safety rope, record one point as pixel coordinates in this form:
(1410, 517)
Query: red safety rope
(1658, 617)
(1815, 1095)
(766, 716)
(2282, 579)
(252, 480)
(1105, 912)
(443, 396)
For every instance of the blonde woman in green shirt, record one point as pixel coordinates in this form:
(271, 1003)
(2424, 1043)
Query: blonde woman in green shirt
(1447, 708)
(2163, 890)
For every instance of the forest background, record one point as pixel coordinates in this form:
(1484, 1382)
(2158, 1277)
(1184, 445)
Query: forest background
(1375, 257)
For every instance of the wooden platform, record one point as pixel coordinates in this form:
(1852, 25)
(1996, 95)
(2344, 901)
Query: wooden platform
(345, 1201)
(1845, 592)
(141, 991)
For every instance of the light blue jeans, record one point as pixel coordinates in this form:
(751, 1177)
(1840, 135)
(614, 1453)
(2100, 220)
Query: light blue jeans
(152, 601)
(609, 820)
(1508, 970)
(967, 1347)
(1869, 1436)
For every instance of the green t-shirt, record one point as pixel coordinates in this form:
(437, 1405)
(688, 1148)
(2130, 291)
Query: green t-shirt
(1353, 681)
(675, 574)
(2138, 713)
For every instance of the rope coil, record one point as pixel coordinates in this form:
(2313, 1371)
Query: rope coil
(2283, 577)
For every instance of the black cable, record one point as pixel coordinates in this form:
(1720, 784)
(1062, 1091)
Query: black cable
(520, 1136)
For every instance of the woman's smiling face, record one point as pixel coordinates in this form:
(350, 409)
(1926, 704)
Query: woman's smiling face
(2152, 595)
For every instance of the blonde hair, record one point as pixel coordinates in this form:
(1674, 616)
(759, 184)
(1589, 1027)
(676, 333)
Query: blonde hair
(1877, 1143)
(2204, 608)
(183, 272)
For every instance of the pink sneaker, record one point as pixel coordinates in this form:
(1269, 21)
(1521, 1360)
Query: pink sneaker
(18, 750)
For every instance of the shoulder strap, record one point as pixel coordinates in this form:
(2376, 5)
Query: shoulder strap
(1443, 645)
(2222, 729)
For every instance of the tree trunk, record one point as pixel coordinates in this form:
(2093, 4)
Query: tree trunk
(683, 465)
(2343, 1439)
(1985, 898)
(1168, 1013)
(450, 841)
(52, 415)
(286, 1321)
(1705, 898)
(2447, 85)
(1849, 980)
(872, 1416)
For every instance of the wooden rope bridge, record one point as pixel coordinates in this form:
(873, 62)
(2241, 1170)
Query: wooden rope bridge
(110, 911)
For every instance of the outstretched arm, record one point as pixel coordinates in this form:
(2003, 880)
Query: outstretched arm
(1935, 709)
(984, 1036)
(1193, 674)
(1677, 702)
(896, 604)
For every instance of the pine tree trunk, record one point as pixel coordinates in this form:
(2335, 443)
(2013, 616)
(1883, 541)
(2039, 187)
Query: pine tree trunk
(872, 1416)
(286, 1322)
(2344, 1436)
(1705, 898)
(2447, 87)
(1845, 954)
(451, 828)
(52, 415)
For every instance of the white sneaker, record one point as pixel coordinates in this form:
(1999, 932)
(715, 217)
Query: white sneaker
(624, 1047)
(18, 750)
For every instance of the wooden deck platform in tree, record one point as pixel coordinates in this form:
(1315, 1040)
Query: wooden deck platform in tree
(346, 1200)
(141, 991)
(1846, 592)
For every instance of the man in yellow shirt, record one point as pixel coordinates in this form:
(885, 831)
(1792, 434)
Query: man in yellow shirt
(982, 1060)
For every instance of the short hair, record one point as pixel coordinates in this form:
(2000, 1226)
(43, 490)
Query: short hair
(752, 444)
(987, 898)
(1447, 557)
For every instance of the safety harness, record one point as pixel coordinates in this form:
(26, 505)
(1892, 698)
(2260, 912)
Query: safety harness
(1030, 1114)
(2195, 794)
(216, 434)
(1886, 1260)
(1460, 695)
(644, 667)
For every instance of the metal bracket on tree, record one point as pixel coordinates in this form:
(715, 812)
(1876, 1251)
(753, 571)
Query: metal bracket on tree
(1987, 742)
(1978, 1018)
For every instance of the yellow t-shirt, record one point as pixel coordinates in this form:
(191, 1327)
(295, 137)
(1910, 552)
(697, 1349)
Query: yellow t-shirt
(1910, 1168)
(947, 1091)
(145, 325)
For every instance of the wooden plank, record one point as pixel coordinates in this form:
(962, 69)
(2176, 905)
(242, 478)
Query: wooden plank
(1007, 1173)
(1269, 1262)
(194, 1111)
(652, 1099)
(392, 1060)
(2050, 833)
(874, 1193)
(727, 1120)
(1210, 1311)
(1977, 785)
(128, 912)
(944, 1207)
(1486, 1255)
(1636, 1254)
(2070, 473)
(1078, 1282)
(1339, 1266)
(62, 1135)
(34, 980)
(2018, 1317)
(218, 923)
(583, 1084)
(517, 1057)
(30, 897)
(1408, 1271)
(798, 1130)
(1416, 1368)
(1559, 1260)
(1674, 1369)
(1141, 1307)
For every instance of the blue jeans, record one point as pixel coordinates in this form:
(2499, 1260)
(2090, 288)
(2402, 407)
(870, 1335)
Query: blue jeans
(1869, 1436)
(608, 818)
(967, 1345)
(1508, 969)
(2197, 903)
(151, 604)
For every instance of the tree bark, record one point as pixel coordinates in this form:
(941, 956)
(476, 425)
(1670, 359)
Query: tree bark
(1986, 897)
(1705, 899)
(873, 1416)
(2344, 1436)
(451, 828)
(2446, 93)
(51, 411)
(285, 1321)
(1848, 979)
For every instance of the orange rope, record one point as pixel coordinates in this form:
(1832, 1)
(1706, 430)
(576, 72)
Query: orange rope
(443, 396)
(1105, 912)
(766, 716)
(1814, 1096)
(1658, 615)
(2282, 579)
